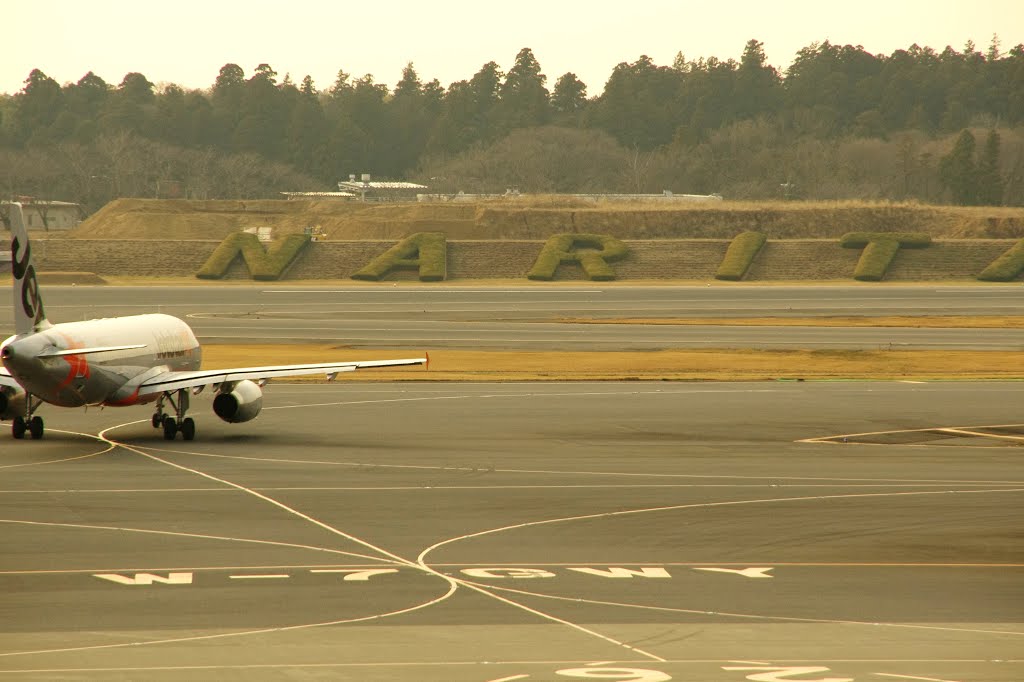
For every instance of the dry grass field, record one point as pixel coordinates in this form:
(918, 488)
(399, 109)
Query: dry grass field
(668, 365)
(920, 322)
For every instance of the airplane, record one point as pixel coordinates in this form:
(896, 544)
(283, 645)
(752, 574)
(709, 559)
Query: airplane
(122, 361)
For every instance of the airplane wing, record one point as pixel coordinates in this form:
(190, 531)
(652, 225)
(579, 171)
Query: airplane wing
(172, 381)
(6, 379)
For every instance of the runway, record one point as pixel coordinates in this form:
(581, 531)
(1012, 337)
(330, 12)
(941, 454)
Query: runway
(486, 532)
(533, 318)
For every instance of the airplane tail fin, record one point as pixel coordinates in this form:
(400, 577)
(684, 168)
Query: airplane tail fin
(28, 304)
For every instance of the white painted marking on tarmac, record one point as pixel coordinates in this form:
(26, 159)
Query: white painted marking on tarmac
(64, 459)
(570, 472)
(486, 590)
(148, 578)
(405, 666)
(913, 677)
(356, 574)
(753, 572)
(194, 569)
(967, 432)
(781, 673)
(551, 486)
(427, 664)
(198, 536)
(225, 635)
(509, 679)
(454, 584)
(832, 439)
(616, 674)
(617, 572)
(265, 576)
(502, 573)
(165, 569)
(422, 558)
(757, 616)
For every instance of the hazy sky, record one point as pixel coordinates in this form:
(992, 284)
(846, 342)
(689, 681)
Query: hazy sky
(187, 41)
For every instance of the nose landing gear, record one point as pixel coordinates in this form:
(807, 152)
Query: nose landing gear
(27, 423)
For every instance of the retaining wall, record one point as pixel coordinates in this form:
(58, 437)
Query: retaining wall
(692, 259)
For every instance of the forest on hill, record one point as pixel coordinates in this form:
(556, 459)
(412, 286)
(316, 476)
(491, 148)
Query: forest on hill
(839, 123)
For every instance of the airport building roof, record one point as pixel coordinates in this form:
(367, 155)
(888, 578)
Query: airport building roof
(318, 195)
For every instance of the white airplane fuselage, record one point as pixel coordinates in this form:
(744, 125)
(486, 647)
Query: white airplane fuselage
(36, 360)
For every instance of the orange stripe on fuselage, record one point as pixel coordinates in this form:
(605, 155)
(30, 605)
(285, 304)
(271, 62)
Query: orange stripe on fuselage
(78, 365)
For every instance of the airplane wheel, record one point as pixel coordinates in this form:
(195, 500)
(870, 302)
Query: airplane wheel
(170, 428)
(35, 427)
(157, 420)
(18, 428)
(188, 428)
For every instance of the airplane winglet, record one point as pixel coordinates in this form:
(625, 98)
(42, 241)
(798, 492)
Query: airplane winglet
(427, 363)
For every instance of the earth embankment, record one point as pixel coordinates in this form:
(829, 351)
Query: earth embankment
(539, 218)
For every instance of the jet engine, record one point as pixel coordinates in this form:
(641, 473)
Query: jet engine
(12, 402)
(238, 403)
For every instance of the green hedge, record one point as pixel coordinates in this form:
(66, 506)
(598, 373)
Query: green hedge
(423, 251)
(908, 240)
(560, 248)
(744, 247)
(879, 250)
(1007, 267)
(263, 263)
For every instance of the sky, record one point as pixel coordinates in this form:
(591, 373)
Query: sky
(186, 42)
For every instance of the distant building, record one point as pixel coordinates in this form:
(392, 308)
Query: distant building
(311, 196)
(47, 215)
(370, 190)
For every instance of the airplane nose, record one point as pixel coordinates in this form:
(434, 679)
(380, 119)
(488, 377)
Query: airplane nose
(9, 355)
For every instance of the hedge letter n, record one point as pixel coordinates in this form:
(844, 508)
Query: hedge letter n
(263, 264)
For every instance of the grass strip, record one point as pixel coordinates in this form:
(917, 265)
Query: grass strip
(666, 365)
(922, 321)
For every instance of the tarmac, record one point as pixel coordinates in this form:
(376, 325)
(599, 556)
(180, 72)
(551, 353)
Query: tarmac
(831, 531)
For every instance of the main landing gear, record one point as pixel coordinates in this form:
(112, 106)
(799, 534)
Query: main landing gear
(179, 422)
(33, 425)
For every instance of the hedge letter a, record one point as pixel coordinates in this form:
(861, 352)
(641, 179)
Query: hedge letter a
(424, 251)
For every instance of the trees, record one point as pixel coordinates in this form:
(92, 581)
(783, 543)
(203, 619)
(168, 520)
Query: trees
(639, 106)
(990, 180)
(264, 115)
(569, 99)
(758, 84)
(958, 170)
(412, 111)
(716, 123)
(972, 181)
(546, 159)
(39, 105)
(522, 97)
(467, 113)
